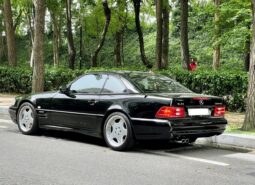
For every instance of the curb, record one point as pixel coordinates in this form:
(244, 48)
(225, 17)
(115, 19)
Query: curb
(233, 141)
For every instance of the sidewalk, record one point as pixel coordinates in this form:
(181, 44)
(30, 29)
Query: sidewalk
(227, 140)
(5, 102)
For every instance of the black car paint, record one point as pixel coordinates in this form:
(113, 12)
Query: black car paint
(85, 113)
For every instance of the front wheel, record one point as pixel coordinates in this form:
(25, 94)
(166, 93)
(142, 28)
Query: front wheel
(27, 121)
(117, 132)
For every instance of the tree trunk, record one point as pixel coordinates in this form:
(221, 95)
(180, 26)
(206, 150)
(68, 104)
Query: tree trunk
(247, 53)
(165, 39)
(30, 18)
(216, 49)
(38, 69)
(119, 32)
(1, 48)
(137, 4)
(117, 49)
(55, 39)
(247, 47)
(81, 45)
(184, 34)
(9, 33)
(159, 5)
(249, 121)
(124, 28)
(107, 13)
(71, 48)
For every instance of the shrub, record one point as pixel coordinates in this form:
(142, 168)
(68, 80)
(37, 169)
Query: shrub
(230, 85)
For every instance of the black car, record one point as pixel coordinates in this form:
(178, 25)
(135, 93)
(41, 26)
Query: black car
(122, 107)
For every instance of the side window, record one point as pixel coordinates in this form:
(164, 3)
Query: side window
(114, 85)
(91, 84)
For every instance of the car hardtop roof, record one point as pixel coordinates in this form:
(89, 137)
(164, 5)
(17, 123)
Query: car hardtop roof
(122, 73)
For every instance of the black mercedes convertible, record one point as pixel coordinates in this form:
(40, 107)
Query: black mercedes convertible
(123, 107)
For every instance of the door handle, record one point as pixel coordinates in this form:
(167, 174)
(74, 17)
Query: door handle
(92, 102)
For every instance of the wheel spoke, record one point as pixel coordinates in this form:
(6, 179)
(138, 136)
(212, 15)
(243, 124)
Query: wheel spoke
(27, 124)
(119, 139)
(31, 120)
(112, 135)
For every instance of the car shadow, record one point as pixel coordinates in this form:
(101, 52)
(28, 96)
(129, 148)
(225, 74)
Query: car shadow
(71, 136)
(140, 145)
(148, 147)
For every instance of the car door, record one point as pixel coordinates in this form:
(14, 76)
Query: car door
(77, 109)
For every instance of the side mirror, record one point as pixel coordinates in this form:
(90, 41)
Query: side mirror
(63, 89)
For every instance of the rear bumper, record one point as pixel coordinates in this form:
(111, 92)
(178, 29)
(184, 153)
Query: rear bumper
(157, 129)
(13, 113)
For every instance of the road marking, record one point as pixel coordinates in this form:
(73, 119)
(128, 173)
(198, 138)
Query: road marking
(3, 126)
(5, 121)
(190, 158)
(200, 160)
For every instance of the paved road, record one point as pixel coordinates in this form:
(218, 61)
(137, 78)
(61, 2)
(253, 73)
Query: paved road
(66, 158)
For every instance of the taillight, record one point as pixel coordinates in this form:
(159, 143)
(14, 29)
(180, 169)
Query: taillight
(219, 111)
(170, 112)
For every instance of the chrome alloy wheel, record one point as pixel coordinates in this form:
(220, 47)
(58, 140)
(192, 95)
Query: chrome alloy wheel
(116, 131)
(26, 118)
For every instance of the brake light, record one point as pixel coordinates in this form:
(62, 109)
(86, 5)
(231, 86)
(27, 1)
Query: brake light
(170, 112)
(219, 111)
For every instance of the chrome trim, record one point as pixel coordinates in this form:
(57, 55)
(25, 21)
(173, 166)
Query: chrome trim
(68, 112)
(153, 120)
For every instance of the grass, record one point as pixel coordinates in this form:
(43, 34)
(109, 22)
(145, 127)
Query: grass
(235, 123)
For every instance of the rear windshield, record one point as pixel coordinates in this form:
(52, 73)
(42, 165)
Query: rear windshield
(152, 83)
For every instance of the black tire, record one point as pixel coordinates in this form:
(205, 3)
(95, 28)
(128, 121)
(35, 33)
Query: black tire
(33, 129)
(129, 139)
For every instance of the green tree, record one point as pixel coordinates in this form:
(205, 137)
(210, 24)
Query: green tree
(137, 6)
(55, 8)
(12, 59)
(70, 41)
(107, 13)
(165, 36)
(184, 34)
(2, 48)
(38, 69)
(217, 35)
(249, 121)
(159, 7)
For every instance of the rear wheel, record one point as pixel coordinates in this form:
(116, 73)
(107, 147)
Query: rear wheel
(27, 121)
(117, 132)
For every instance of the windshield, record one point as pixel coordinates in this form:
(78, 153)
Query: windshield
(152, 83)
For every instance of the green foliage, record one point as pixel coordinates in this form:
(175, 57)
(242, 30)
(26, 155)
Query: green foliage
(230, 85)
(15, 80)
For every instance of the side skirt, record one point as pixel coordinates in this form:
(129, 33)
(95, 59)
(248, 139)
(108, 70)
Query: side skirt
(67, 129)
